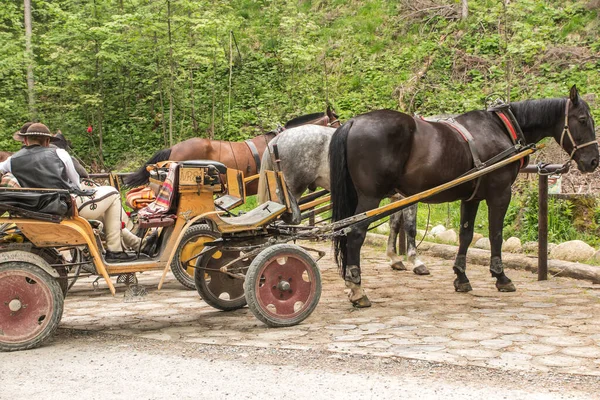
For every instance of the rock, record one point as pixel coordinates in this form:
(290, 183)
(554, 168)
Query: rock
(448, 236)
(420, 233)
(512, 245)
(436, 230)
(383, 229)
(483, 243)
(551, 246)
(530, 247)
(596, 257)
(574, 250)
(476, 237)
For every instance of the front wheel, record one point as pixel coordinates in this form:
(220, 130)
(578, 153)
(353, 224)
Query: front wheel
(283, 285)
(189, 248)
(31, 305)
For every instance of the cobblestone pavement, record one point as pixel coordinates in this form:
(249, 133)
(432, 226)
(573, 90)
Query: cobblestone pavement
(551, 325)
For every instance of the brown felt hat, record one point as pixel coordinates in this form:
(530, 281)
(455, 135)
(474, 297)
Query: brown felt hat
(38, 129)
(23, 129)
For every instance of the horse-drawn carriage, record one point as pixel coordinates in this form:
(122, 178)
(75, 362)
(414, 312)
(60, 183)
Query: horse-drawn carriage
(45, 224)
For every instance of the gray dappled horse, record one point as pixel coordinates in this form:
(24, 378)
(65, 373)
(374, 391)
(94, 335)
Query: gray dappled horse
(303, 152)
(383, 152)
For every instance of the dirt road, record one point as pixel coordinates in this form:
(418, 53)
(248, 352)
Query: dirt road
(80, 365)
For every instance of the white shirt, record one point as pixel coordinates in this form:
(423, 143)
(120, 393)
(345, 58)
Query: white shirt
(72, 175)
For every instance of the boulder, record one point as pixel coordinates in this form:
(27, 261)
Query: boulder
(483, 243)
(530, 247)
(383, 229)
(596, 257)
(574, 250)
(476, 237)
(448, 236)
(436, 230)
(512, 245)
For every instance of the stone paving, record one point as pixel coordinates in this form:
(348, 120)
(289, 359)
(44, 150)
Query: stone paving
(551, 325)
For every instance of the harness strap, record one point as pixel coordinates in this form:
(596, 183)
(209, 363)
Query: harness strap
(512, 126)
(468, 138)
(254, 152)
(466, 135)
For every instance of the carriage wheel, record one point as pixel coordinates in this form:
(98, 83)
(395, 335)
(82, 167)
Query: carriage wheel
(217, 289)
(191, 245)
(31, 305)
(283, 285)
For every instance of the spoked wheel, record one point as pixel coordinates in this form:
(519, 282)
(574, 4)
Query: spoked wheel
(283, 285)
(31, 305)
(217, 289)
(191, 245)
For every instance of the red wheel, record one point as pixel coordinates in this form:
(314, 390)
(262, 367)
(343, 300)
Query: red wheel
(283, 285)
(31, 305)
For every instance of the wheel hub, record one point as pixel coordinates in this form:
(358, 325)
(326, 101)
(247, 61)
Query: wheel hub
(284, 286)
(15, 305)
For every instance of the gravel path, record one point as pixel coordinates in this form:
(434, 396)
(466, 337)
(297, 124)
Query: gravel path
(83, 365)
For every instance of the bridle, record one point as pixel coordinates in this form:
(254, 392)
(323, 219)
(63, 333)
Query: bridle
(335, 121)
(568, 132)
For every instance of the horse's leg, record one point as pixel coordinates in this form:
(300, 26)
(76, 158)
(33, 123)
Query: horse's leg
(496, 211)
(468, 212)
(410, 227)
(396, 222)
(355, 239)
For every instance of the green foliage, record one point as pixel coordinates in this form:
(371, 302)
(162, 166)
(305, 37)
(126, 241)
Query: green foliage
(110, 65)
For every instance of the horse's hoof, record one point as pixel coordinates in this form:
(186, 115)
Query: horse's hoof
(363, 302)
(506, 287)
(421, 270)
(398, 266)
(462, 287)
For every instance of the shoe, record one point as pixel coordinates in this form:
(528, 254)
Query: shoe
(118, 256)
(149, 243)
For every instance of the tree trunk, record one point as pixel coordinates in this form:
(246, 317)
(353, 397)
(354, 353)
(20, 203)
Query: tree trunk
(465, 9)
(29, 61)
(171, 74)
(160, 94)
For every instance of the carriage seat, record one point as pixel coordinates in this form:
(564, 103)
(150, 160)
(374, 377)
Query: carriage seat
(205, 164)
(256, 218)
(43, 204)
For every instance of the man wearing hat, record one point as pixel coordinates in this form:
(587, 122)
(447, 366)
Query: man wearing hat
(37, 165)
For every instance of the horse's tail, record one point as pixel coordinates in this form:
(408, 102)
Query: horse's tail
(141, 176)
(266, 164)
(344, 198)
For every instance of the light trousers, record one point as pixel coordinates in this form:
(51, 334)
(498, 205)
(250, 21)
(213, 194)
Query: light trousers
(105, 205)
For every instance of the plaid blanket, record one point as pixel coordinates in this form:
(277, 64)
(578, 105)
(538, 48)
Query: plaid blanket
(162, 204)
(9, 180)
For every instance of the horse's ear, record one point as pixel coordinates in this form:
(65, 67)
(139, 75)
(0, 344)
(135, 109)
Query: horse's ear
(574, 95)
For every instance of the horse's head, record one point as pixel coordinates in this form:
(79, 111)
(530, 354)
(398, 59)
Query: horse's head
(60, 141)
(578, 137)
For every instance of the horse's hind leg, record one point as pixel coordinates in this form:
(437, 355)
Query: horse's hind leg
(410, 227)
(468, 212)
(396, 222)
(496, 212)
(355, 239)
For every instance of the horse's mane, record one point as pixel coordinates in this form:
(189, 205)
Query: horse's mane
(303, 119)
(533, 114)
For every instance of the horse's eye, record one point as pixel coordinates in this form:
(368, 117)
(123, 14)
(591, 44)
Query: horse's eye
(583, 121)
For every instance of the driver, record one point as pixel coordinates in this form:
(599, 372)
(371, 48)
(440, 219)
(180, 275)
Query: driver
(37, 165)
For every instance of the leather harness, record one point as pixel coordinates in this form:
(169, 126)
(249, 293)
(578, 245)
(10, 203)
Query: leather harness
(254, 152)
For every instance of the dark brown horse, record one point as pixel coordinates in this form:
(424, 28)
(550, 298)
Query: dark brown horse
(243, 156)
(384, 152)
